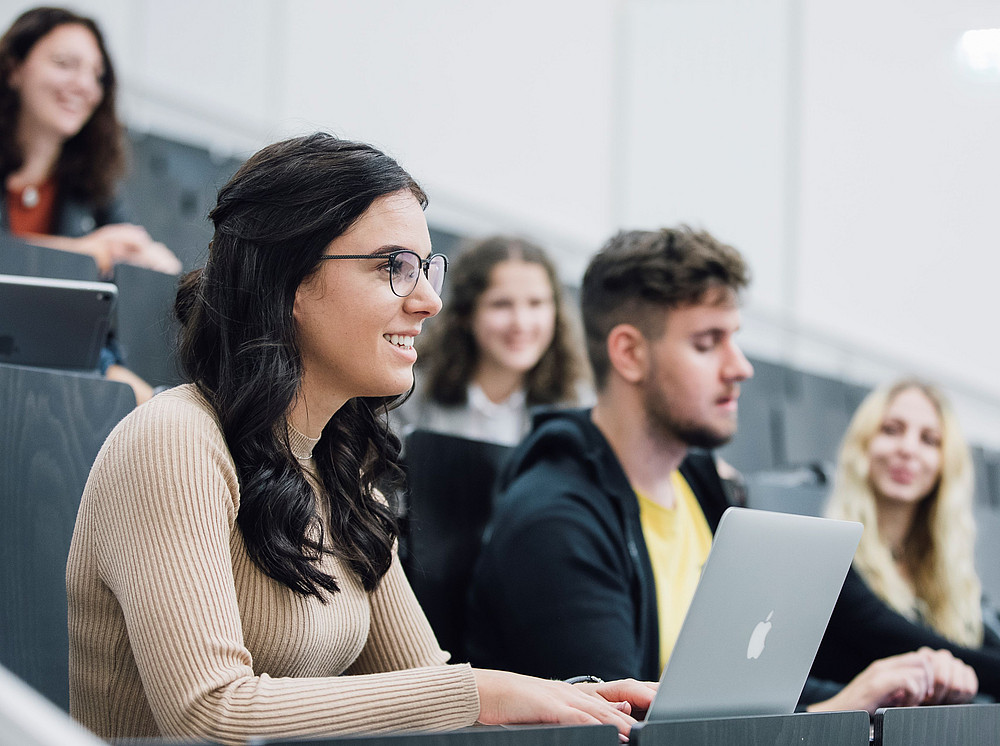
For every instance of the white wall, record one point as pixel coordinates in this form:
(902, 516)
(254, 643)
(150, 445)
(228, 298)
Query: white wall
(706, 128)
(838, 143)
(499, 109)
(899, 242)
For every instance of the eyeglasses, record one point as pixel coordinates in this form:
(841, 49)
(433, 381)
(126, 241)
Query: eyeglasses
(404, 268)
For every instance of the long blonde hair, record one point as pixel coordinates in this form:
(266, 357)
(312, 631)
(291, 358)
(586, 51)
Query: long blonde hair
(946, 590)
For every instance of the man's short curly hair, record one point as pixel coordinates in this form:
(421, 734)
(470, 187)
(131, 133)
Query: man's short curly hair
(638, 275)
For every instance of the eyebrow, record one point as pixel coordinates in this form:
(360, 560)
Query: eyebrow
(388, 249)
(715, 331)
(392, 248)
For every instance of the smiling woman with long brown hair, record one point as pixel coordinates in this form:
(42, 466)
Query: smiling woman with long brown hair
(233, 571)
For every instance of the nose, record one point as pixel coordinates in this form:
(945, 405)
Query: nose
(423, 300)
(520, 317)
(737, 367)
(908, 442)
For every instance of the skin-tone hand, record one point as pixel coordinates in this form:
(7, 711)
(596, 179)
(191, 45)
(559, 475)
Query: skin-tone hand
(143, 391)
(509, 698)
(121, 243)
(921, 677)
(954, 681)
(628, 695)
(124, 243)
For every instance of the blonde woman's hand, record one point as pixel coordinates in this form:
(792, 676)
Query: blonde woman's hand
(922, 677)
(955, 682)
(509, 698)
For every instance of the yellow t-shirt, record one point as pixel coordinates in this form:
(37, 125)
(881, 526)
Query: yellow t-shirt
(678, 540)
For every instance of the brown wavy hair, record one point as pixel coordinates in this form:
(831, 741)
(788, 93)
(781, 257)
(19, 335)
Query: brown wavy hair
(239, 344)
(638, 275)
(93, 160)
(449, 354)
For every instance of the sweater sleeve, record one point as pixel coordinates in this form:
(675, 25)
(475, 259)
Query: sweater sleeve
(400, 635)
(163, 498)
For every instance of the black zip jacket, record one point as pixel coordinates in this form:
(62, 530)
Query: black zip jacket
(564, 584)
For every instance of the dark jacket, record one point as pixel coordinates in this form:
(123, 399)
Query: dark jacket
(564, 584)
(863, 629)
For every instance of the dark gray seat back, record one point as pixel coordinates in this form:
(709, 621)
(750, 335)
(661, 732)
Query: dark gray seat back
(52, 425)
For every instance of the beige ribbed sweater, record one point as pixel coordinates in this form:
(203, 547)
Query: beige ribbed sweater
(174, 631)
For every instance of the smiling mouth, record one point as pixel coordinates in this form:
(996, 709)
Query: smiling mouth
(400, 340)
(901, 477)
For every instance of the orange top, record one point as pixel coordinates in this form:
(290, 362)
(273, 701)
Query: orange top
(32, 209)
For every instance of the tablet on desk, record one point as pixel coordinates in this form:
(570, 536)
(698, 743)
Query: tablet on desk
(54, 323)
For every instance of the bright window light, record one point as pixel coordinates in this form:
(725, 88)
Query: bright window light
(981, 49)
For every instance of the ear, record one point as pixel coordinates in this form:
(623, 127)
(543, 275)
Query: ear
(628, 352)
(313, 286)
(303, 288)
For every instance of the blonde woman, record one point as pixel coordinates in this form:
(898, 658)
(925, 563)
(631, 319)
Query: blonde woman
(905, 472)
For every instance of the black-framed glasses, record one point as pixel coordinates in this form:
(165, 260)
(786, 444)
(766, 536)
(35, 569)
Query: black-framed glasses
(404, 269)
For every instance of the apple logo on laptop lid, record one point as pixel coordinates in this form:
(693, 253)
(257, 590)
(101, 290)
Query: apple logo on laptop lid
(756, 645)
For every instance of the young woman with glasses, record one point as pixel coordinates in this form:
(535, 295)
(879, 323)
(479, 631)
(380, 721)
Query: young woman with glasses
(233, 569)
(503, 344)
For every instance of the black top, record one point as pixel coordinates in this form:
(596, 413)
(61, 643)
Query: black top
(863, 628)
(564, 585)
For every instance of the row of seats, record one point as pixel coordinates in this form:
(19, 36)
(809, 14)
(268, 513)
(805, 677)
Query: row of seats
(791, 419)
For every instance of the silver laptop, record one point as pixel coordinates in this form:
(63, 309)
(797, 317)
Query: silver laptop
(54, 323)
(757, 617)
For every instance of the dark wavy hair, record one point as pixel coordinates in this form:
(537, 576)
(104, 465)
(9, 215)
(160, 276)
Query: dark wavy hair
(450, 354)
(639, 274)
(238, 344)
(93, 160)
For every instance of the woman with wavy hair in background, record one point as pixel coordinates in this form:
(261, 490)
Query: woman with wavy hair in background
(233, 571)
(905, 472)
(503, 344)
(62, 151)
